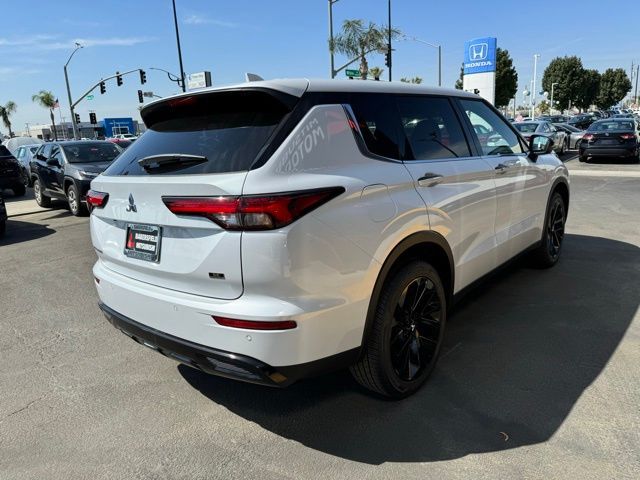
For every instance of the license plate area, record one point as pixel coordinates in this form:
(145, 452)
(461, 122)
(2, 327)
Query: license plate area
(143, 242)
(609, 141)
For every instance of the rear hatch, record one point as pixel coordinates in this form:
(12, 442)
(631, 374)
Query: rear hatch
(611, 134)
(9, 166)
(201, 144)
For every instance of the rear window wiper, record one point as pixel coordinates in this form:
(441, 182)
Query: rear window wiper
(166, 161)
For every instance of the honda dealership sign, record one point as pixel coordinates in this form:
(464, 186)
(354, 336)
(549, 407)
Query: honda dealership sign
(480, 67)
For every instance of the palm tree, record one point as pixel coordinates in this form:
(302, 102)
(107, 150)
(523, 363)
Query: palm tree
(416, 80)
(48, 100)
(376, 72)
(5, 112)
(357, 40)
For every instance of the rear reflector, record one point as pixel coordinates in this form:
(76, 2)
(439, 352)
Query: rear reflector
(587, 136)
(627, 136)
(97, 199)
(252, 212)
(253, 325)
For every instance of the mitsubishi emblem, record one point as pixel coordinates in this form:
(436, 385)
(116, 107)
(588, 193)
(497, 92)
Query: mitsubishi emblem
(132, 205)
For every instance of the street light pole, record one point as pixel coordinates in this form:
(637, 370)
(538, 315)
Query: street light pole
(533, 90)
(439, 47)
(390, 61)
(175, 21)
(66, 79)
(552, 87)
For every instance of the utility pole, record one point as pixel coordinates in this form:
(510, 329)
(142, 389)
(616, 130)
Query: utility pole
(333, 66)
(390, 62)
(551, 106)
(66, 78)
(533, 89)
(635, 93)
(175, 21)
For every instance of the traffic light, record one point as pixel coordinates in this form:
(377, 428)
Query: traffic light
(77, 117)
(387, 57)
(140, 99)
(103, 88)
(119, 79)
(92, 118)
(143, 78)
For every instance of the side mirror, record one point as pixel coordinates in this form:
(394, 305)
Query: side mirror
(52, 162)
(39, 156)
(540, 145)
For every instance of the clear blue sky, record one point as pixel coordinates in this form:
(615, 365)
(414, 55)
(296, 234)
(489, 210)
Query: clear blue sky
(279, 38)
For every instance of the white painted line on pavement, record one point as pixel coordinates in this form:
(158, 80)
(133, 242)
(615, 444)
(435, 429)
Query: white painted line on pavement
(603, 173)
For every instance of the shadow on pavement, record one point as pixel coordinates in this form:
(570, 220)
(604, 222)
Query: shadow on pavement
(18, 231)
(518, 355)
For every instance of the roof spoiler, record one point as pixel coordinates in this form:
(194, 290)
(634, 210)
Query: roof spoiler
(252, 77)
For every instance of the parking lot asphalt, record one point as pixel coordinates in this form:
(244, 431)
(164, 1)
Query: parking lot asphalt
(538, 378)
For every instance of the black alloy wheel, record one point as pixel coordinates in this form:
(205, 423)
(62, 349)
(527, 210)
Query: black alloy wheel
(555, 228)
(415, 329)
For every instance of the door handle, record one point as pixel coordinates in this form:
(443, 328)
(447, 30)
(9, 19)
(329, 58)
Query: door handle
(429, 179)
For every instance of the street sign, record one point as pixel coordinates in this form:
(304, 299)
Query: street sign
(352, 73)
(198, 80)
(89, 97)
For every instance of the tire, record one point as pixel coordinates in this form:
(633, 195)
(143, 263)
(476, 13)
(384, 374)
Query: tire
(41, 199)
(19, 190)
(3, 227)
(548, 252)
(77, 208)
(583, 158)
(402, 346)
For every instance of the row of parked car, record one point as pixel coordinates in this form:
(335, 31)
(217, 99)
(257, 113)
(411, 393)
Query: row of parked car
(594, 134)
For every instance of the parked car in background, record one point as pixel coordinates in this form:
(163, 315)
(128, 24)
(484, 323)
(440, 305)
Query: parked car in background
(3, 216)
(12, 174)
(126, 136)
(553, 118)
(574, 135)
(582, 121)
(64, 170)
(121, 142)
(610, 138)
(14, 143)
(273, 230)
(24, 155)
(528, 129)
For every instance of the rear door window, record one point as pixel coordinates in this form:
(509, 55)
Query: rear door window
(227, 128)
(432, 128)
(379, 123)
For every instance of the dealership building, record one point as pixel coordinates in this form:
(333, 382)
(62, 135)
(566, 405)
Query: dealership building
(105, 128)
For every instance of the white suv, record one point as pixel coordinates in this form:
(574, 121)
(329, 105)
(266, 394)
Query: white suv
(275, 230)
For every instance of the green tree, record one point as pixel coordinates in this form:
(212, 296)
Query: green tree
(376, 72)
(357, 40)
(590, 87)
(543, 107)
(568, 73)
(614, 85)
(46, 99)
(459, 82)
(506, 78)
(416, 80)
(6, 111)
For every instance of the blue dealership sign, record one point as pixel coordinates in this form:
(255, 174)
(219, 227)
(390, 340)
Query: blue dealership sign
(480, 55)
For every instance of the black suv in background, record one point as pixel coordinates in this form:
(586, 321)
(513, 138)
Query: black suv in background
(3, 216)
(12, 174)
(64, 170)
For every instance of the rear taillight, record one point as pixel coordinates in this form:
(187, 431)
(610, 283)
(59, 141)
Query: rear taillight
(255, 325)
(252, 212)
(96, 199)
(587, 137)
(627, 136)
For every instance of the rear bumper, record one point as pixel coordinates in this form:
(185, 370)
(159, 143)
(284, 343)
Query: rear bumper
(10, 180)
(222, 363)
(614, 151)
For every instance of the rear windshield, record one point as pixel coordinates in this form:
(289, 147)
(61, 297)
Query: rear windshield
(526, 127)
(609, 126)
(228, 129)
(91, 152)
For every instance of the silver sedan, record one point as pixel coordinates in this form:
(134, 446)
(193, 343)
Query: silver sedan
(574, 135)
